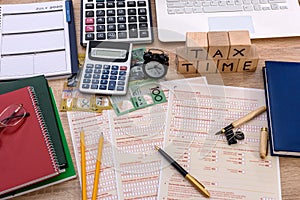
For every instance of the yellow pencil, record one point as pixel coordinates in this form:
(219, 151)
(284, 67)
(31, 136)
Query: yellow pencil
(97, 170)
(83, 166)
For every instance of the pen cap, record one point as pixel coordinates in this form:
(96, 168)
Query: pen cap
(263, 142)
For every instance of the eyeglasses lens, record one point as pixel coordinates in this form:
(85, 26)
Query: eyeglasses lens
(12, 115)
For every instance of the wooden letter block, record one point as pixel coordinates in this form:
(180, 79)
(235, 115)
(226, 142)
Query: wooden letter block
(196, 45)
(218, 45)
(240, 44)
(249, 64)
(228, 65)
(185, 67)
(182, 52)
(207, 66)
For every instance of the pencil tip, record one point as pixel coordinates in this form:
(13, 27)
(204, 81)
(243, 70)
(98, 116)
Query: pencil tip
(156, 147)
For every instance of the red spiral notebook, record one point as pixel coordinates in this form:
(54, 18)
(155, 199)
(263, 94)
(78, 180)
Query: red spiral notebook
(26, 151)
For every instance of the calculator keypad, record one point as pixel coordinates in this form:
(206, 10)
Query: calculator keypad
(118, 20)
(103, 77)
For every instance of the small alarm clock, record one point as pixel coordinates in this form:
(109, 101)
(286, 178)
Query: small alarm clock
(155, 64)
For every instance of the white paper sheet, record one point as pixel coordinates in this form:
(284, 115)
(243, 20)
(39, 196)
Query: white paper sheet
(228, 172)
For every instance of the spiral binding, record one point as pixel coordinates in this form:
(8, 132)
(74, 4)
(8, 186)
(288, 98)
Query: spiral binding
(44, 129)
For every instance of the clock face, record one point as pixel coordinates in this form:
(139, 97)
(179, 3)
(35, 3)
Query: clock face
(155, 69)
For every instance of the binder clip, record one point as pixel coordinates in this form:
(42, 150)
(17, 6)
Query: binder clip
(232, 136)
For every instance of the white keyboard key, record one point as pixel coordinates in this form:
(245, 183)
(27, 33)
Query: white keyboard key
(175, 5)
(263, 1)
(197, 4)
(257, 7)
(188, 10)
(238, 2)
(222, 9)
(274, 6)
(248, 8)
(206, 3)
(266, 8)
(171, 11)
(230, 2)
(277, 1)
(247, 2)
(189, 4)
(222, 3)
(283, 7)
(179, 10)
(197, 10)
(214, 3)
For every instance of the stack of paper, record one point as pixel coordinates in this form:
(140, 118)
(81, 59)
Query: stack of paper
(184, 127)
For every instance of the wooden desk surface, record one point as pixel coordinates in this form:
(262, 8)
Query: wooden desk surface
(285, 49)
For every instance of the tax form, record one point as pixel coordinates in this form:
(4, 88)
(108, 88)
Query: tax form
(195, 113)
(184, 127)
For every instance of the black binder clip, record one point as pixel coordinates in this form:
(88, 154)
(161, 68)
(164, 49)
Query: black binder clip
(232, 137)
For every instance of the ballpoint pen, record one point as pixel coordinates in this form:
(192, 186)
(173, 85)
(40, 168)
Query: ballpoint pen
(184, 173)
(242, 120)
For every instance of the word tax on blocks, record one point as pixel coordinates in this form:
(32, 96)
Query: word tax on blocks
(220, 51)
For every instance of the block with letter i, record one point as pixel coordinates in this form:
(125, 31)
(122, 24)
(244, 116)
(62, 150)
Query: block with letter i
(250, 63)
(196, 45)
(207, 66)
(240, 44)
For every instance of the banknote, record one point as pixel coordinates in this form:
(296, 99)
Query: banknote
(141, 94)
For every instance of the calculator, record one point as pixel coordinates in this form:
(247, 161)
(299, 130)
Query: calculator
(106, 68)
(116, 20)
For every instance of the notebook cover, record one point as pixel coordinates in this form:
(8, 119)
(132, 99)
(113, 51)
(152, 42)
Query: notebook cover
(41, 87)
(26, 151)
(68, 174)
(282, 84)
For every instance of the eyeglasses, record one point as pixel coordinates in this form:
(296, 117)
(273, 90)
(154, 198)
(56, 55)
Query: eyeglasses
(12, 115)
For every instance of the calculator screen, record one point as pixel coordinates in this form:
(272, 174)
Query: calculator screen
(108, 53)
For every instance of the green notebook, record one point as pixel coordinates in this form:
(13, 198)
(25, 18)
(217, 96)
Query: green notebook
(41, 88)
(67, 174)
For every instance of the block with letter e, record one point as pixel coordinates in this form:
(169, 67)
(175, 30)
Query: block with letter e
(250, 63)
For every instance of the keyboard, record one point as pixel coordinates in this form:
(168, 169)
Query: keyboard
(214, 6)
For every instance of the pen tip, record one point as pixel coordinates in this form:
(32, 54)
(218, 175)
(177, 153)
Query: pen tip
(220, 132)
(156, 147)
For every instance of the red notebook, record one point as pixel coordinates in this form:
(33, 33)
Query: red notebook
(26, 153)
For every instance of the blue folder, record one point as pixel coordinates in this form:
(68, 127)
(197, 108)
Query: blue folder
(282, 86)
